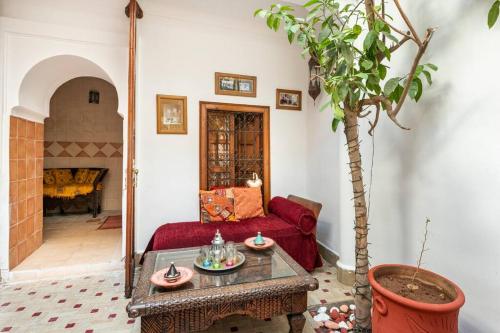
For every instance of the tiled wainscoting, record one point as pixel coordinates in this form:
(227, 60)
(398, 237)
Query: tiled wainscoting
(25, 191)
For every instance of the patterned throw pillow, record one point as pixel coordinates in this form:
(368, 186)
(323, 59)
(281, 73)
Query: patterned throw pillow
(217, 206)
(48, 177)
(247, 202)
(81, 175)
(63, 176)
(92, 175)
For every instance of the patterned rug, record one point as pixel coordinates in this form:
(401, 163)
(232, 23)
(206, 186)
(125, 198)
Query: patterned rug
(112, 222)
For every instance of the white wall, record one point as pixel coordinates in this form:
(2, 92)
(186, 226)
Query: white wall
(31, 32)
(181, 46)
(445, 168)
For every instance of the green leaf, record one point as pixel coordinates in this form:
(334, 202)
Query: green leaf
(369, 39)
(428, 77)
(364, 76)
(357, 29)
(260, 12)
(413, 89)
(381, 46)
(382, 71)
(390, 36)
(290, 36)
(335, 124)
(493, 14)
(325, 106)
(323, 34)
(432, 66)
(391, 85)
(310, 3)
(276, 23)
(270, 21)
(294, 28)
(379, 25)
(343, 90)
(338, 112)
(367, 64)
(419, 89)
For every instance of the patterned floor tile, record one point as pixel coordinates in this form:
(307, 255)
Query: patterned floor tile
(95, 304)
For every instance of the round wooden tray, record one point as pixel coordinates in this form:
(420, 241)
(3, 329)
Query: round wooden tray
(159, 280)
(268, 243)
(240, 259)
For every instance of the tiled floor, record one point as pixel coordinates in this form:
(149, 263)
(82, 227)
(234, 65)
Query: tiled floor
(95, 304)
(72, 245)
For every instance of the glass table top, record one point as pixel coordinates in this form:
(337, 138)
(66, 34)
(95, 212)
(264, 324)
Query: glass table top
(258, 266)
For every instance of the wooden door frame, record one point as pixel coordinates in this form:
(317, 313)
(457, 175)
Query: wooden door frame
(231, 107)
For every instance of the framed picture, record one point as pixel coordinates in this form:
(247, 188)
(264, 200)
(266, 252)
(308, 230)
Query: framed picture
(288, 99)
(235, 85)
(171, 114)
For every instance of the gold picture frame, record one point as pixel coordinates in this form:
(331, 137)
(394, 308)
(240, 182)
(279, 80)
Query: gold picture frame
(235, 85)
(171, 114)
(289, 99)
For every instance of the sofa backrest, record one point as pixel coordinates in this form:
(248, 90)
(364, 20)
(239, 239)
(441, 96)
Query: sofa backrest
(314, 206)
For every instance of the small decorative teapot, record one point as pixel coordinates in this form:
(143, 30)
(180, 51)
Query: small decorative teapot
(173, 274)
(218, 245)
(259, 240)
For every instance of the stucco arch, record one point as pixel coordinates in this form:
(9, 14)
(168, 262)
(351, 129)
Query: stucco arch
(44, 78)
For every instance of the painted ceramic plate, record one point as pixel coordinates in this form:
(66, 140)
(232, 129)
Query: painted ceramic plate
(240, 259)
(268, 243)
(158, 279)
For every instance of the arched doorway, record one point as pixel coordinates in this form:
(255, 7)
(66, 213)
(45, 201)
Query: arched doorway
(38, 92)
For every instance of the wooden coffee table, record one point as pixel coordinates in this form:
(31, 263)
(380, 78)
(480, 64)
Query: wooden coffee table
(270, 283)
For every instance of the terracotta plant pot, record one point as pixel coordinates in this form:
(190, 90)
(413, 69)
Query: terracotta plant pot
(392, 313)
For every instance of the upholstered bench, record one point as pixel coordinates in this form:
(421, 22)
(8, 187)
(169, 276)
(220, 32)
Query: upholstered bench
(291, 223)
(65, 187)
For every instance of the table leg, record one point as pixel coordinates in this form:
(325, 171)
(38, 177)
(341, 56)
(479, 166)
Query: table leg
(296, 321)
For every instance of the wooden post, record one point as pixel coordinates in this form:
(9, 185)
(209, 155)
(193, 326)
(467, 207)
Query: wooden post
(133, 11)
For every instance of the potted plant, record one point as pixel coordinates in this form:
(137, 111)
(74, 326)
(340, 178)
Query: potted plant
(411, 299)
(350, 47)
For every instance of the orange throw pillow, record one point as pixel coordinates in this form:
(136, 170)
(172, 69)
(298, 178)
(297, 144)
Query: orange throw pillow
(247, 202)
(217, 206)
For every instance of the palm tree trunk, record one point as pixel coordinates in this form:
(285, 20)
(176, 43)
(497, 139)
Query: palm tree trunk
(362, 297)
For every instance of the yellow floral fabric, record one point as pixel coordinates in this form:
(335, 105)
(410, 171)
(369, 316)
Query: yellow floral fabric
(48, 177)
(68, 191)
(63, 176)
(92, 175)
(81, 175)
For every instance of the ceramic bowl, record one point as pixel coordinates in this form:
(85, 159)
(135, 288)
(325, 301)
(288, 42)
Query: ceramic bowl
(159, 279)
(268, 242)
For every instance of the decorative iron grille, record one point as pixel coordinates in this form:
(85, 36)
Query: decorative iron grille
(235, 147)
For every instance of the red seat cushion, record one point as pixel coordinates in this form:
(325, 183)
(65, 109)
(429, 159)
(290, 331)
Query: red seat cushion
(302, 248)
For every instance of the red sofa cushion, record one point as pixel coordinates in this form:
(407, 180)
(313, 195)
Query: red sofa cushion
(293, 213)
(302, 248)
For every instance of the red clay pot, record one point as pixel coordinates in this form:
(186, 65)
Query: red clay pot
(392, 313)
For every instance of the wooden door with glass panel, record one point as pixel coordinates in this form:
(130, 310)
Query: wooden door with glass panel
(234, 144)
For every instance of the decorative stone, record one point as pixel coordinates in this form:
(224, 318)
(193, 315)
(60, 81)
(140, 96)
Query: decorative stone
(321, 316)
(352, 317)
(331, 325)
(334, 314)
(344, 308)
(343, 324)
(352, 307)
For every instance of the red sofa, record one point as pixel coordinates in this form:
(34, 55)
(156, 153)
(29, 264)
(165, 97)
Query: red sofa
(291, 223)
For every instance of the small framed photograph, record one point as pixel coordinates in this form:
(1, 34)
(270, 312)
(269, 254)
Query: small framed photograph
(171, 114)
(235, 85)
(288, 99)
